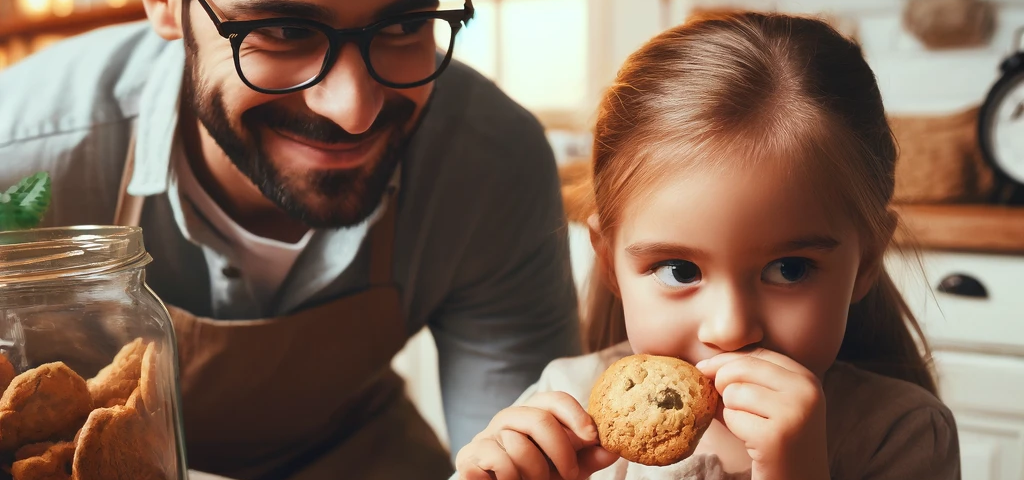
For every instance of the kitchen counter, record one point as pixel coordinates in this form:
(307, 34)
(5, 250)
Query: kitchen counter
(967, 228)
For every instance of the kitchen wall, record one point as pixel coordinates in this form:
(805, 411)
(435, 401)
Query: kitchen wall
(556, 56)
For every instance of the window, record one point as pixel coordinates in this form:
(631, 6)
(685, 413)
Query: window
(536, 51)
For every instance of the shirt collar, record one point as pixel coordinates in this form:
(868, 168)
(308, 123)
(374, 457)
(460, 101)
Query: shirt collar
(157, 122)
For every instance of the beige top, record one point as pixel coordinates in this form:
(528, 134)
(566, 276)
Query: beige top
(877, 427)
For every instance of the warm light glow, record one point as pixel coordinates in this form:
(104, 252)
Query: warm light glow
(42, 41)
(34, 7)
(117, 3)
(3, 57)
(63, 8)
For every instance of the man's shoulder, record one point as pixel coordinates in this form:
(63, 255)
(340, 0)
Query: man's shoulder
(483, 160)
(91, 79)
(489, 102)
(492, 125)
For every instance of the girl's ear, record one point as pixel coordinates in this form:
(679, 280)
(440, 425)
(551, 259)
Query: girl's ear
(873, 262)
(604, 260)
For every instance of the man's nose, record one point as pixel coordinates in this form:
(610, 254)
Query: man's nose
(347, 95)
(733, 321)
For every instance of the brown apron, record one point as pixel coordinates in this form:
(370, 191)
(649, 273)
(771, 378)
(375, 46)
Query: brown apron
(306, 396)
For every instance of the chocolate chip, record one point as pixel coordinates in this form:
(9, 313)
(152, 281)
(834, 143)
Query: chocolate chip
(668, 399)
(629, 384)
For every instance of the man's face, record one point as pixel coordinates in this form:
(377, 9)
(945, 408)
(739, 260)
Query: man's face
(324, 154)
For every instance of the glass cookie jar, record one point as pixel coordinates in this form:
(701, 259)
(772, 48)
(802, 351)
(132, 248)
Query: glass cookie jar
(89, 361)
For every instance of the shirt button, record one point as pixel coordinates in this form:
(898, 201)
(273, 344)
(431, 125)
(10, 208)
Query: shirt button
(231, 272)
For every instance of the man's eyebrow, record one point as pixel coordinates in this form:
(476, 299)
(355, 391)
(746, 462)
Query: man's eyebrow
(312, 11)
(402, 6)
(280, 8)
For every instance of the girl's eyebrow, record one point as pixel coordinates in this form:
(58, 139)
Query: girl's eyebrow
(664, 249)
(822, 243)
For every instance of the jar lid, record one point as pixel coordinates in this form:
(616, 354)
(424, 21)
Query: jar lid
(64, 252)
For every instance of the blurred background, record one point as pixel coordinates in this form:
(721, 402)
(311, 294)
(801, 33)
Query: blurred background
(936, 62)
(555, 56)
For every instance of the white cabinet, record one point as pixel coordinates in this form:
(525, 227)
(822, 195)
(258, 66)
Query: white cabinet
(985, 393)
(961, 322)
(978, 348)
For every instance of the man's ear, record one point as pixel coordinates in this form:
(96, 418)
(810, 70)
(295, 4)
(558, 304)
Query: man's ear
(165, 16)
(873, 260)
(604, 261)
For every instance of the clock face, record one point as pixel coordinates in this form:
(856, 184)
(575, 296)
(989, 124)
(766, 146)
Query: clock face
(1007, 129)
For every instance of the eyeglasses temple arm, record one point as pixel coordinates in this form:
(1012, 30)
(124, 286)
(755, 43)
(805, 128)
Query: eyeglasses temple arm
(213, 15)
(470, 11)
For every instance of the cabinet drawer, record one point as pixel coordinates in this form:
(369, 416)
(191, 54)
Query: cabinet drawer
(984, 393)
(951, 319)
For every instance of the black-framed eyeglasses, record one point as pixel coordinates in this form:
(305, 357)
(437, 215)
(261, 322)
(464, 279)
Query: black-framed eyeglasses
(285, 55)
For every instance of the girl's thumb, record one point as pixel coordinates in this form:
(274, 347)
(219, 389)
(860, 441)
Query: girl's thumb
(592, 459)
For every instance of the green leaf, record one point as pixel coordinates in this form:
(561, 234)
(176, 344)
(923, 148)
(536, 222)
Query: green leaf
(24, 205)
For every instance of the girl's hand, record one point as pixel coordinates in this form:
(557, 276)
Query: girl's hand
(550, 437)
(777, 407)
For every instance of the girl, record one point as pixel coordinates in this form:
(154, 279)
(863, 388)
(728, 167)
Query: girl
(743, 167)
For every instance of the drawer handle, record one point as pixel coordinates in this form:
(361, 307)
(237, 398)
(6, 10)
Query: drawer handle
(963, 285)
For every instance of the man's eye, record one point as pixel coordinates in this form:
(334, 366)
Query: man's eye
(405, 28)
(286, 33)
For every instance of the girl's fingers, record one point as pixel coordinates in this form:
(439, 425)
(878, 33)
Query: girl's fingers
(745, 425)
(751, 398)
(592, 459)
(747, 369)
(711, 366)
(528, 459)
(486, 459)
(545, 430)
(569, 412)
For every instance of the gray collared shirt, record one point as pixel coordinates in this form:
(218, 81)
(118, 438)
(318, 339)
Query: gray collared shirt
(481, 252)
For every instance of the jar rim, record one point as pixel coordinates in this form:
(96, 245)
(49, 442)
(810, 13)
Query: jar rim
(54, 253)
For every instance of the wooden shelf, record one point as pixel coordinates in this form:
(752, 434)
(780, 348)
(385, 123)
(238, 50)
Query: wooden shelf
(80, 20)
(966, 228)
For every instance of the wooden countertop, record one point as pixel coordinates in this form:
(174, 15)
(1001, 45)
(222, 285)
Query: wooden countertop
(967, 228)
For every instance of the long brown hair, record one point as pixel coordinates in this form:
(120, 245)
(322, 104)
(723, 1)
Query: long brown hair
(764, 86)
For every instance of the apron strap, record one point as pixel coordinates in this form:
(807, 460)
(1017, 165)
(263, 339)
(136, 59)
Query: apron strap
(382, 242)
(128, 212)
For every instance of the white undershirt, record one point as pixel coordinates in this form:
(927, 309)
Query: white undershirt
(262, 263)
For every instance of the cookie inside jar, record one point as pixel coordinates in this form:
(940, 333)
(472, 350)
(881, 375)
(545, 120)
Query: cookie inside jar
(56, 424)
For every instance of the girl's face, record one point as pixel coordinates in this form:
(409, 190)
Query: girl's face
(714, 263)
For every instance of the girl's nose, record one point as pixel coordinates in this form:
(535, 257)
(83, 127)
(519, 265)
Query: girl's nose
(733, 322)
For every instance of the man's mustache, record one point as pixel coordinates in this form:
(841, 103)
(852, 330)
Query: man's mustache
(393, 115)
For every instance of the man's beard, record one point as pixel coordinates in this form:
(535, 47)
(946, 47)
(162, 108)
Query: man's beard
(318, 198)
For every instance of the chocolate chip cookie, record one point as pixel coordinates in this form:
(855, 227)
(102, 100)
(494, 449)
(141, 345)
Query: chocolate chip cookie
(651, 409)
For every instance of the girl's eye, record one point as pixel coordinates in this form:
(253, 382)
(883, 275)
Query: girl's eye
(787, 271)
(677, 273)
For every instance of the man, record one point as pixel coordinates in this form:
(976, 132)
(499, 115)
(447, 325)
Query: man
(311, 197)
